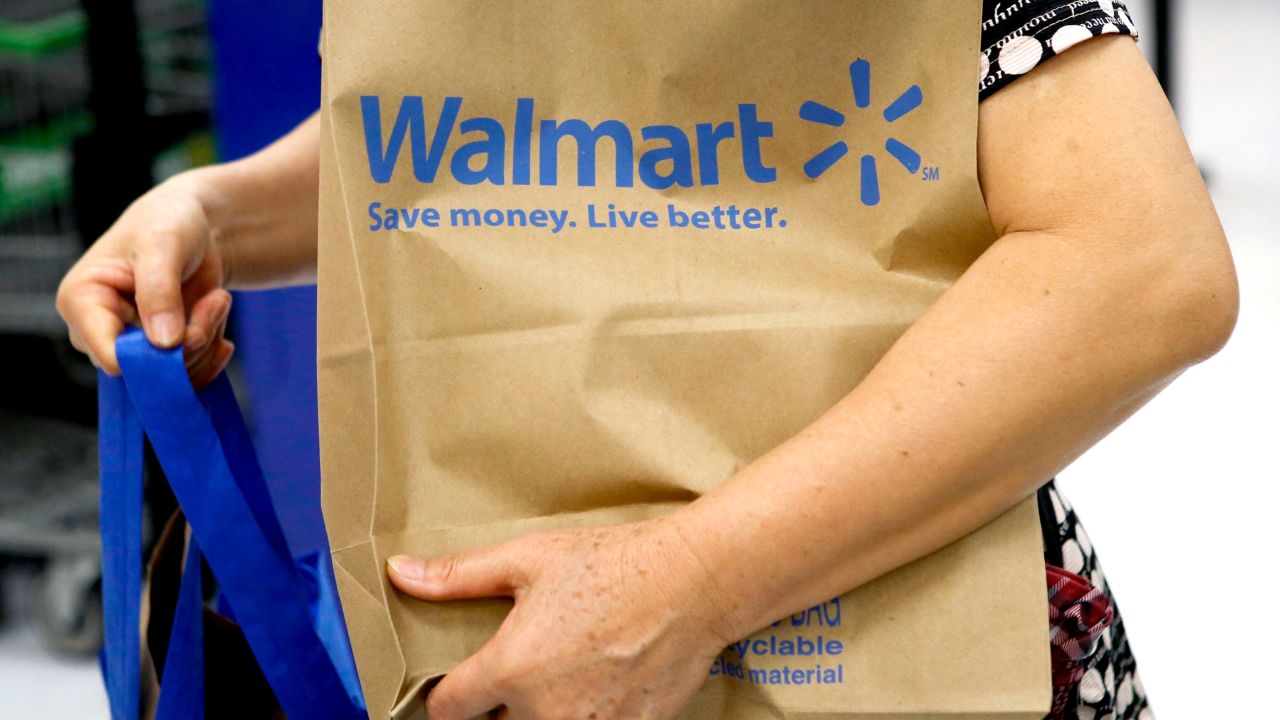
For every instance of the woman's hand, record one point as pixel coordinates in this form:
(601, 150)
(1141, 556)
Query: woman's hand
(166, 262)
(614, 622)
(159, 265)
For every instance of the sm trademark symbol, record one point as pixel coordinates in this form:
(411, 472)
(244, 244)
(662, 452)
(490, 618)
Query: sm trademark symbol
(931, 173)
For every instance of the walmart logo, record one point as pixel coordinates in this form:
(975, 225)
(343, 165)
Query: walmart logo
(860, 79)
(524, 148)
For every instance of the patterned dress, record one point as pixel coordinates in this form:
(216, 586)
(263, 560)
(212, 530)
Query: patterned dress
(1095, 675)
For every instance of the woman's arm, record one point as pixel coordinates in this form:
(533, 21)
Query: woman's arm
(170, 258)
(1111, 276)
(265, 209)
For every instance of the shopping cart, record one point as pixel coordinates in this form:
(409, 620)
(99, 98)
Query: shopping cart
(62, 133)
(47, 466)
(44, 89)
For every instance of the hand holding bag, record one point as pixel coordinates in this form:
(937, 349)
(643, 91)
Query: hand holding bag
(580, 262)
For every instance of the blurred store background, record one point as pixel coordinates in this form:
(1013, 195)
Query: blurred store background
(95, 102)
(101, 98)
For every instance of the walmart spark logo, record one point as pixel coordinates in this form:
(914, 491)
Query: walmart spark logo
(860, 78)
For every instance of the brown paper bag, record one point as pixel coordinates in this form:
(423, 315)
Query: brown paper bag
(581, 260)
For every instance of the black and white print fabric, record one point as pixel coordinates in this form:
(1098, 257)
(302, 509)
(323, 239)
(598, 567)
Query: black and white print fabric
(1110, 688)
(1018, 35)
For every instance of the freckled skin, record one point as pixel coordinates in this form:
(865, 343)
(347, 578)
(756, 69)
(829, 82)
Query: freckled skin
(1136, 299)
(631, 594)
(1152, 289)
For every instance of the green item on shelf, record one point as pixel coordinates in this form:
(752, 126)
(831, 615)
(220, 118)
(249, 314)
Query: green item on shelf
(42, 37)
(32, 178)
(35, 164)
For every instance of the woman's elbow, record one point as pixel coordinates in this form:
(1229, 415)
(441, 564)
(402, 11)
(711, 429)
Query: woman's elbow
(1201, 298)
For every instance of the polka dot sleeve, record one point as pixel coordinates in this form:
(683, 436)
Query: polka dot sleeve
(1018, 35)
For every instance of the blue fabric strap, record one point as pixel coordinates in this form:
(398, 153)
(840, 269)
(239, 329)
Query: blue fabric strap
(120, 462)
(182, 690)
(329, 620)
(203, 446)
(224, 412)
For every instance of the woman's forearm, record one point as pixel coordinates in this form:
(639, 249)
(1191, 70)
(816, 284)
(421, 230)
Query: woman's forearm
(1112, 276)
(263, 210)
(1029, 360)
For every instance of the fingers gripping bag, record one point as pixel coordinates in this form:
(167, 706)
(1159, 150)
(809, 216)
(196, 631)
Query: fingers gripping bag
(580, 261)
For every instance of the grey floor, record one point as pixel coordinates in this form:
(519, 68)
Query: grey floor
(1184, 492)
(33, 682)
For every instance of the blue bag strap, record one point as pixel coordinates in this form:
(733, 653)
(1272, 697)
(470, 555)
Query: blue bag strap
(120, 519)
(182, 687)
(216, 479)
(238, 448)
(331, 625)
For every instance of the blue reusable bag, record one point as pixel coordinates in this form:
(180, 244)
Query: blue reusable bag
(286, 607)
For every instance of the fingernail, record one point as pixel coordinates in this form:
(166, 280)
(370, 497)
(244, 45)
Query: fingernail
(225, 311)
(404, 566)
(166, 329)
(197, 339)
